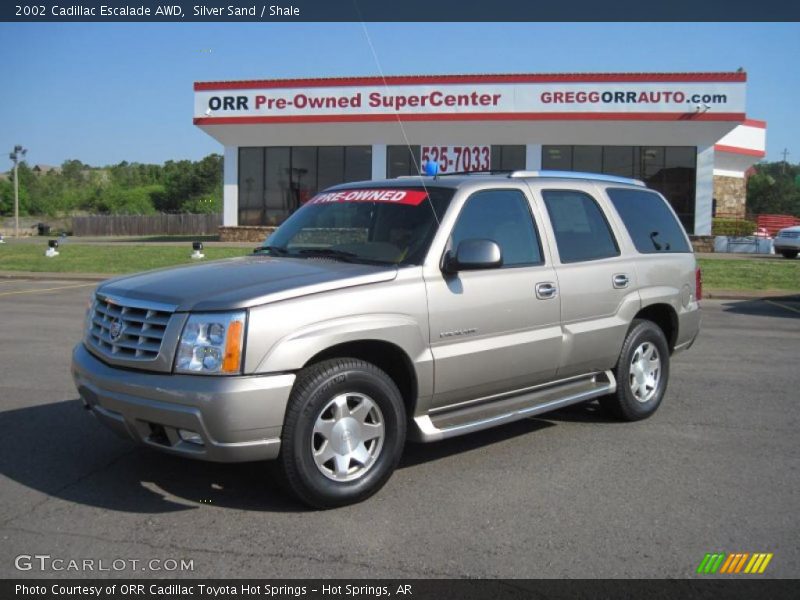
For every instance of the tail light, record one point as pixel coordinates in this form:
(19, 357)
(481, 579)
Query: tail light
(698, 283)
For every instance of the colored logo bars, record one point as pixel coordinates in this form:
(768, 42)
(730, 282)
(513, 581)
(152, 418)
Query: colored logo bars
(735, 562)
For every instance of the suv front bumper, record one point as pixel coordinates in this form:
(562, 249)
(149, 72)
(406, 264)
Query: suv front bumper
(781, 244)
(238, 418)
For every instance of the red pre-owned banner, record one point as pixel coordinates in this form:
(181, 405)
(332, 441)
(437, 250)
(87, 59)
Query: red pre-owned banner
(392, 196)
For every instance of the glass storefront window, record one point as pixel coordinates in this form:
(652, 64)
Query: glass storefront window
(303, 174)
(679, 183)
(402, 160)
(508, 158)
(557, 158)
(331, 166)
(651, 162)
(619, 160)
(274, 181)
(277, 192)
(588, 159)
(251, 186)
(670, 170)
(357, 163)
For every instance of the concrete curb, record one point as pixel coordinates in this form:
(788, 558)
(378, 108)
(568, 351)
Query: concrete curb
(35, 275)
(748, 295)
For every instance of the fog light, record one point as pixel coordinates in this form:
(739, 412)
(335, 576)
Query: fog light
(197, 250)
(190, 436)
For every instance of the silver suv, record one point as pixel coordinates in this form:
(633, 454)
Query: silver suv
(417, 308)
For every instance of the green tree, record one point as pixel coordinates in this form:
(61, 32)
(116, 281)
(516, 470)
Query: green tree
(124, 188)
(72, 170)
(774, 189)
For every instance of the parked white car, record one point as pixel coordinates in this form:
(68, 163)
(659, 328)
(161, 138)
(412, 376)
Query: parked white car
(787, 242)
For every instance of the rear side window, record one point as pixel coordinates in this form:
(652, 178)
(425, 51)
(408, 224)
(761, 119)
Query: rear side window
(581, 230)
(505, 217)
(653, 227)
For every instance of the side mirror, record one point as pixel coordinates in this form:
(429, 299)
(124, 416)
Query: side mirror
(472, 255)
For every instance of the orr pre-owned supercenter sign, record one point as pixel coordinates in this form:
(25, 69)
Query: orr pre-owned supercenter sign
(717, 96)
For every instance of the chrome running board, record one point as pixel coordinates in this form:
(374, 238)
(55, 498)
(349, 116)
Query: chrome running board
(431, 428)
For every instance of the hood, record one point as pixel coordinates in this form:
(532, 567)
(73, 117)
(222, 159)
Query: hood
(244, 282)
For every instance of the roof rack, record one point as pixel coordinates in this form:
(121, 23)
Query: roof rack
(521, 174)
(578, 175)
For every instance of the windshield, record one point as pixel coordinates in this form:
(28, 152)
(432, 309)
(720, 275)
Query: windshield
(377, 225)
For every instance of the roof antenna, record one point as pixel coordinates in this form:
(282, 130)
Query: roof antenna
(396, 114)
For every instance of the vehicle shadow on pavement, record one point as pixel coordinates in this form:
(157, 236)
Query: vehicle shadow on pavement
(415, 454)
(61, 451)
(780, 306)
(586, 412)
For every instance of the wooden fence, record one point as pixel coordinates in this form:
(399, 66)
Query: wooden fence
(142, 225)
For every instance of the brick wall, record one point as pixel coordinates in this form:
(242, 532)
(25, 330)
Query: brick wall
(245, 234)
(730, 194)
(702, 243)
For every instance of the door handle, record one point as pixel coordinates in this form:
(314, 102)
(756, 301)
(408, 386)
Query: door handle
(621, 280)
(546, 290)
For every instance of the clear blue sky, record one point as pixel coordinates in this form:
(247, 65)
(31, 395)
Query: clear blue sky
(103, 93)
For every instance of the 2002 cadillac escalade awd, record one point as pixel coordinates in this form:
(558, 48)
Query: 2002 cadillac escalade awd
(418, 308)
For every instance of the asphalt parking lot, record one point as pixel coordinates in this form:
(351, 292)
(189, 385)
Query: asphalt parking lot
(571, 494)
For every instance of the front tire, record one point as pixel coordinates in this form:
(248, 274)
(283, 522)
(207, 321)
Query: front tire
(789, 253)
(642, 373)
(343, 434)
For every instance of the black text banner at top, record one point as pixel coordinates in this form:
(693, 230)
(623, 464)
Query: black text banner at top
(407, 10)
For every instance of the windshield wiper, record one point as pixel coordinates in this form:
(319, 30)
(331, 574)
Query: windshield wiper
(327, 252)
(341, 255)
(277, 250)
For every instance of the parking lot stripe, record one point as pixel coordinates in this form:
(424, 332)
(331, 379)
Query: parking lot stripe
(63, 287)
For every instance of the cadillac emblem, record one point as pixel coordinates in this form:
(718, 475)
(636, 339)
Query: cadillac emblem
(115, 332)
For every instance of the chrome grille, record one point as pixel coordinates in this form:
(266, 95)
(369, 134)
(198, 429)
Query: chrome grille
(789, 234)
(127, 332)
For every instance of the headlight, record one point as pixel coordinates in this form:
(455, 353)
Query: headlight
(211, 344)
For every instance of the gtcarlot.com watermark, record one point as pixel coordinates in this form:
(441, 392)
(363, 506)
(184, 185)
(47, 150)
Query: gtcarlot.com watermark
(47, 562)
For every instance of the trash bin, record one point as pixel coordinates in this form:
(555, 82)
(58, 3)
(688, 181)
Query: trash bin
(44, 228)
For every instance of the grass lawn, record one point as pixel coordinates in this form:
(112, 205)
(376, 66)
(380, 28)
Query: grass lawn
(112, 259)
(723, 274)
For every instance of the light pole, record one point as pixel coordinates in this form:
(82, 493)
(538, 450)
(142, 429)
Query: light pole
(15, 156)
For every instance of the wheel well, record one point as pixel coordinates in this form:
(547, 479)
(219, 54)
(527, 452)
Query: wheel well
(386, 356)
(665, 317)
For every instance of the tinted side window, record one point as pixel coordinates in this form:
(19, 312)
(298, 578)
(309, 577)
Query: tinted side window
(651, 224)
(581, 229)
(505, 217)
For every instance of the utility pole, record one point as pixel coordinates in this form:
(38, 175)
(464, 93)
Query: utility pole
(15, 156)
(785, 153)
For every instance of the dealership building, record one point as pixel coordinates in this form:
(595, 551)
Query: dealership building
(685, 134)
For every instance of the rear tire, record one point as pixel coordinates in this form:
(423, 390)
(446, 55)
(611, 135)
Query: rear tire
(789, 253)
(642, 373)
(343, 434)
